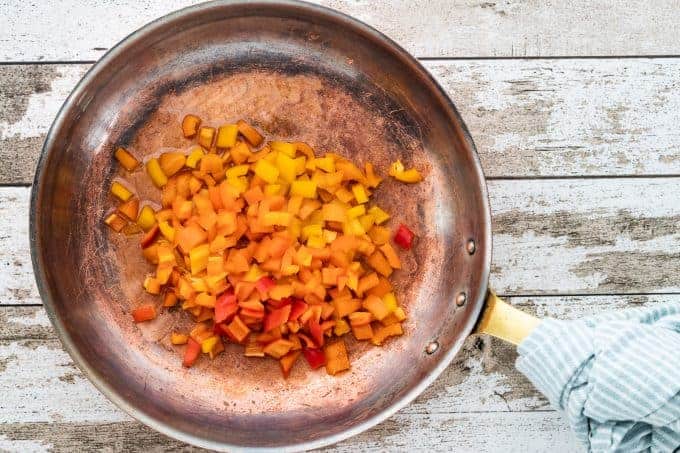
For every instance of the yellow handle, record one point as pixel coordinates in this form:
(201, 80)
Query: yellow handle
(502, 320)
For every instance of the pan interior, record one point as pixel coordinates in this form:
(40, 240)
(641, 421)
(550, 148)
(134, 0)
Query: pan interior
(297, 73)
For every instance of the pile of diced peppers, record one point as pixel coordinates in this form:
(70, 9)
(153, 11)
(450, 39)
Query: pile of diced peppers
(267, 246)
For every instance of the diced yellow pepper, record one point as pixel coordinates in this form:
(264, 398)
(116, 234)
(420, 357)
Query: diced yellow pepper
(356, 211)
(226, 136)
(311, 230)
(327, 164)
(178, 338)
(209, 343)
(266, 171)
(294, 204)
(333, 212)
(305, 189)
(353, 227)
(295, 227)
(199, 285)
(359, 193)
(237, 170)
(253, 274)
(367, 221)
(398, 172)
(194, 157)
(286, 167)
(316, 242)
(126, 159)
(277, 218)
(286, 148)
(399, 313)
(390, 301)
(198, 258)
(120, 191)
(153, 168)
(240, 184)
(206, 135)
(378, 214)
(167, 230)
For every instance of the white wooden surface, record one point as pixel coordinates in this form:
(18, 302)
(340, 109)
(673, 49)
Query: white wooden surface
(583, 160)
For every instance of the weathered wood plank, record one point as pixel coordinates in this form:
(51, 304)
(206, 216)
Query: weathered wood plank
(483, 433)
(481, 379)
(479, 395)
(70, 30)
(550, 237)
(528, 117)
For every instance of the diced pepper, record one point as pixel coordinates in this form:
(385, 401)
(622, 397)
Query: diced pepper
(190, 125)
(391, 255)
(386, 331)
(195, 156)
(153, 168)
(129, 208)
(276, 318)
(305, 189)
(172, 162)
(144, 313)
(152, 286)
(226, 136)
(398, 172)
(116, 222)
(404, 237)
(362, 332)
(237, 330)
(178, 338)
(336, 357)
(266, 171)
(120, 191)
(250, 133)
(209, 343)
(147, 218)
(126, 159)
(278, 348)
(360, 194)
(206, 135)
(226, 306)
(287, 362)
(378, 214)
(376, 306)
(315, 357)
(378, 262)
(199, 258)
(298, 307)
(191, 353)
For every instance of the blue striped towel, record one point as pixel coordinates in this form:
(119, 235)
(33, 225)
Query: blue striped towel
(616, 376)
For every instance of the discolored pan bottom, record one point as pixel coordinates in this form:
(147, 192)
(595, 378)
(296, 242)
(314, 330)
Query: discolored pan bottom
(297, 73)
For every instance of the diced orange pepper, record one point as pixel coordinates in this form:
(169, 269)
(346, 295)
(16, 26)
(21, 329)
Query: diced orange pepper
(126, 159)
(386, 331)
(250, 133)
(144, 313)
(336, 357)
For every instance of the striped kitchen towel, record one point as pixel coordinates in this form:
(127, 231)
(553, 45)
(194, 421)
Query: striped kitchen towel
(616, 377)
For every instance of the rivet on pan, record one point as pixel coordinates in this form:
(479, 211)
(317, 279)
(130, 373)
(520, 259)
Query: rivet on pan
(432, 347)
(460, 299)
(471, 247)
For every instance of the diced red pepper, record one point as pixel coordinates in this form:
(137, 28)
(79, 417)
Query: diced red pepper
(226, 307)
(144, 313)
(404, 237)
(315, 357)
(297, 309)
(316, 331)
(263, 285)
(192, 352)
(276, 317)
(149, 236)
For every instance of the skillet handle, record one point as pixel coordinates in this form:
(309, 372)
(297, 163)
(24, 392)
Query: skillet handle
(503, 321)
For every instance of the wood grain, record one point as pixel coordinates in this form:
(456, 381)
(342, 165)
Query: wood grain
(564, 236)
(479, 395)
(67, 30)
(529, 118)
